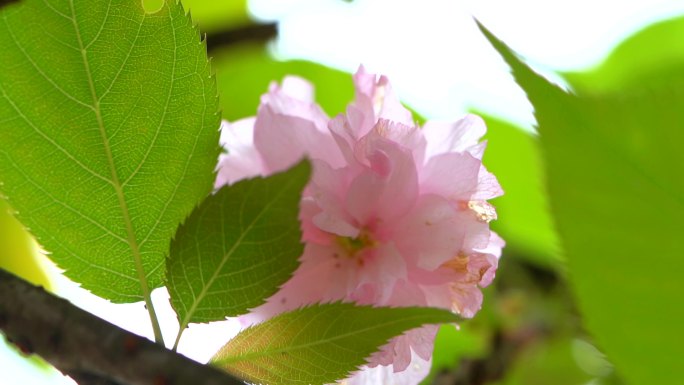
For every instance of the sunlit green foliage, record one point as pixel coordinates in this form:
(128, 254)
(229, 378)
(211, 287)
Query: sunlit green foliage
(109, 134)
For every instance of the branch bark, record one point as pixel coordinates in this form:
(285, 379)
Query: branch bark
(90, 349)
(258, 33)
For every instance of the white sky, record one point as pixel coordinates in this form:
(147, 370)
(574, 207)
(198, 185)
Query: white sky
(435, 56)
(437, 61)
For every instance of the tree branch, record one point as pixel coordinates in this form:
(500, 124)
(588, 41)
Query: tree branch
(89, 349)
(252, 32)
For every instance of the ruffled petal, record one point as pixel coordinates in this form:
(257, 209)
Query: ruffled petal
(375, 97)
(488, 186)
(242, 159)
(452, 175)
(431, 233)
(460, 136)
(415, 372)
(387, 189)
(282, 140)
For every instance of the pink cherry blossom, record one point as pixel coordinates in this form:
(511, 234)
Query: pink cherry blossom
(394, 214)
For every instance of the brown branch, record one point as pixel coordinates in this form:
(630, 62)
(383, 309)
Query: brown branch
(4, 3)
(252, 32)
(88, 349)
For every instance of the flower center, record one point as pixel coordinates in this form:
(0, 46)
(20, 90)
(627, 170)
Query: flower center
(354, 245)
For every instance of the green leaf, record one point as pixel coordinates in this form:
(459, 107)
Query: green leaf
(526, 225)
(244, 73)
(549, 361)
(451, 346)
(18, 250)
(237, 248)
(651, 55)
(108, 134)
(614, 176)
(319, 344)
(212, 15)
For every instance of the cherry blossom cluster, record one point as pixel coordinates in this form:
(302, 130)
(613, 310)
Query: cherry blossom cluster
(394, 215)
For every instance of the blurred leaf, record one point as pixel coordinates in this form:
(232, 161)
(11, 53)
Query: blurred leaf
(108, 134)
(614, 174)
(651, 56)
(18, 250)
(245, 72)
(547, 362)
(237, 247)
(513, 156)
(451, 345)
(320, 343)
(214, 15)
(590, 359)
(19, 255)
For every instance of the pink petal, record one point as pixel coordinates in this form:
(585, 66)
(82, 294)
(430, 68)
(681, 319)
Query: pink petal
(488, 186)
(416, 371)
(298, 88)
(381, 267)
(408, 137)
(282, 140)
(452, 175)
(494, 246)
(375, 97)
(294, 97)
(242, 160)
(387, 189)
(319, 278)
(327, 189)
(445, 137)
(430, 234)
(467, 299)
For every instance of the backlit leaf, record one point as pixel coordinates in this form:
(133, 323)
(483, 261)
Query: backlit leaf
(237, 248)
(614, 166)
(318, 344)
(108, 134)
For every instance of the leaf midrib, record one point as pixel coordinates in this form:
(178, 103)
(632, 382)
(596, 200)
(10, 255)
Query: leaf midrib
(229, 253)
(123, 205)
(290, 348)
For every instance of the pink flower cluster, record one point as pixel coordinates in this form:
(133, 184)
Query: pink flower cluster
(394, 215)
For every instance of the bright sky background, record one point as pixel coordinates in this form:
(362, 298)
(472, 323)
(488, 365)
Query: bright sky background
(438, 62)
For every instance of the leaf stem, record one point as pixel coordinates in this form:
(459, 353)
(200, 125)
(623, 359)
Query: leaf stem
(116, 183)
(178, 337)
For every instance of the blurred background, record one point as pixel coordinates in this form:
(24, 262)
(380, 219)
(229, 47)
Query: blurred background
(529, 330)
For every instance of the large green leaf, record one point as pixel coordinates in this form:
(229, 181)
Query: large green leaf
(614, 165)
(108, 134)
(237, 248)
(318, 344)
